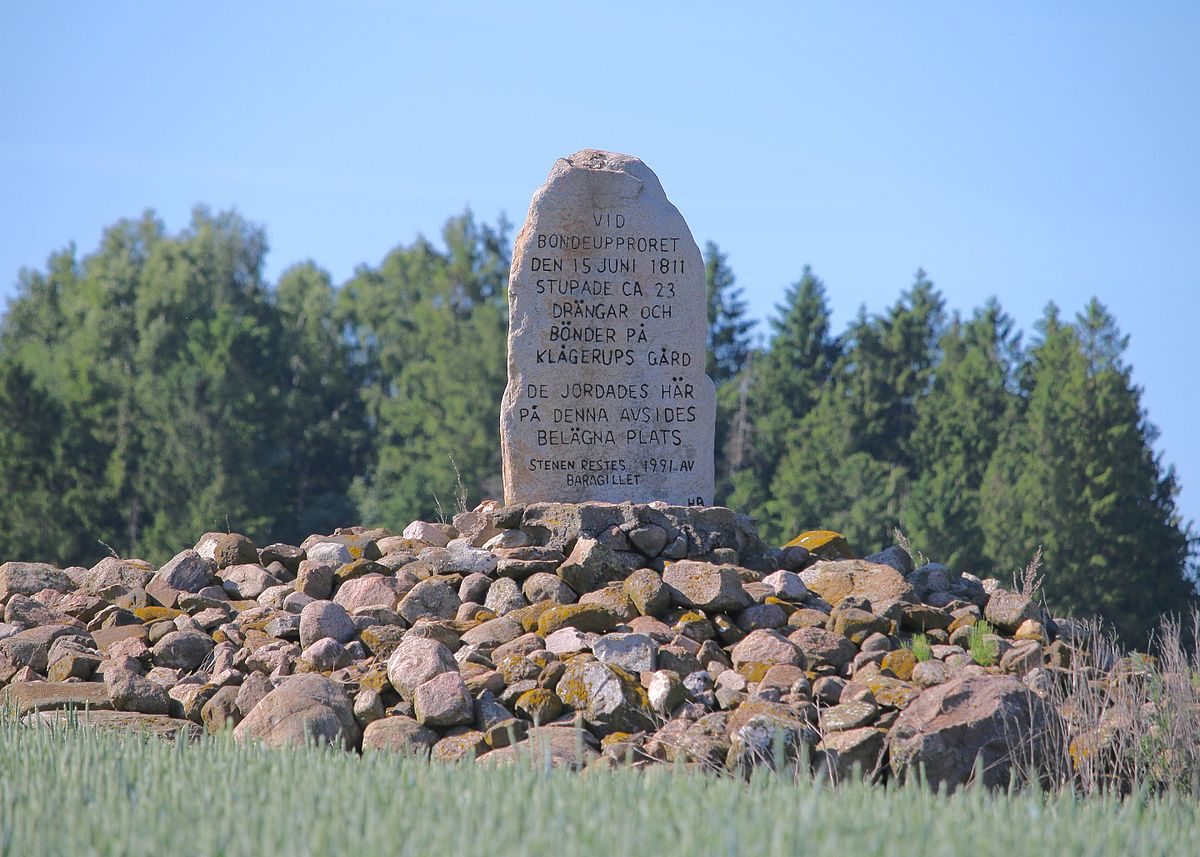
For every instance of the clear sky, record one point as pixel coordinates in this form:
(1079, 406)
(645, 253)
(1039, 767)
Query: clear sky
(1032, 151)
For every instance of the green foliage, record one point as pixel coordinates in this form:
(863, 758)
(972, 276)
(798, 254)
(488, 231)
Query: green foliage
(1080, 477)
(145, 797)
(728, 327)
(429, 329)
(984, 651)
(921, 648)
(186, 391)
(160, 387)
(972, 403)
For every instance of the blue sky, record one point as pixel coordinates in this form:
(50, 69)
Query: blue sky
(1031, 151)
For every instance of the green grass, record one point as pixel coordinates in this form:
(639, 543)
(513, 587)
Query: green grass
(69, 791)
(921, 648)
(983, 651)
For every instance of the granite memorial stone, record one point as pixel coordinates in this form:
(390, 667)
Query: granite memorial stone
(607, 399)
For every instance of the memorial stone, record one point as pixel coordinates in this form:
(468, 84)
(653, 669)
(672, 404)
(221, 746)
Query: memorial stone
(607, 399)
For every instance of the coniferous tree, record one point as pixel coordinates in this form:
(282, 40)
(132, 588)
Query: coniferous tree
(780, 387)
(1079, 477)
(45, 517)
(972, 404)
(845, 465)
(728, 327)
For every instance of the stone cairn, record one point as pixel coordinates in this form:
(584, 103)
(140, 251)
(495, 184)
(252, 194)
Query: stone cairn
(589, 634)
(607, 613)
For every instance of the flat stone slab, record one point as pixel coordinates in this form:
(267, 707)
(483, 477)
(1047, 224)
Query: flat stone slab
(30, 696)
(607, 399)
(150, 725)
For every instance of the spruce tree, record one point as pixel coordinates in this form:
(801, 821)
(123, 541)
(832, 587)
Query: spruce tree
(728, 327)
(970, 407)
(1079, 477)
(779, 388)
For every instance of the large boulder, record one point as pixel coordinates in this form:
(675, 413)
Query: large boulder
(609, 698)
(415, 661)
(182, 650)
(766, 647)
(995, 719)
(882, 585)
(370, 590)
(705, 586)
(29, 578)
(111, 577)
(443, 701)
(322, 619)
(430, 598)
(590, 566)
(304, 708)
(226, 549)
(399, 734)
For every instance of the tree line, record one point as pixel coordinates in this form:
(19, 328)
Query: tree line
(160, 387)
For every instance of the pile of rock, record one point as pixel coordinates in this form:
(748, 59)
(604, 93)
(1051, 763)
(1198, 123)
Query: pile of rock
(591, 634)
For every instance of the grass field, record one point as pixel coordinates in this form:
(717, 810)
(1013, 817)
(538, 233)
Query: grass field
(69, 791)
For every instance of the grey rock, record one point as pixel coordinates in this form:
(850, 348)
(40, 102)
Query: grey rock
(590, 566)
(567, 641)
(325, 619)
(896, 557)
(132, 692)
(443, 701)
(226, 549)
(645, 588)
(246, 581)
(112, 578)
(184, 650)
(30, 578)
(649, 539)
(253, 689)
(187, 571)
(767, 647)
(415, 661)
(666, 692)
(474, 587)
(994, 718)
(823, 648)
(706, 586)
(843, 754)
(608, 700)
(326, 654)
(315, 579)
(221, 712)
(429, 598)
(634, 653)
(370, 590)
(368, 707)
(505, 596)
(304, 708)
(544, 586)
(402, 735)
(1007, 610)
(333, 554)
(786, 585)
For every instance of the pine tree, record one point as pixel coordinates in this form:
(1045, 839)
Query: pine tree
(972, 404)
